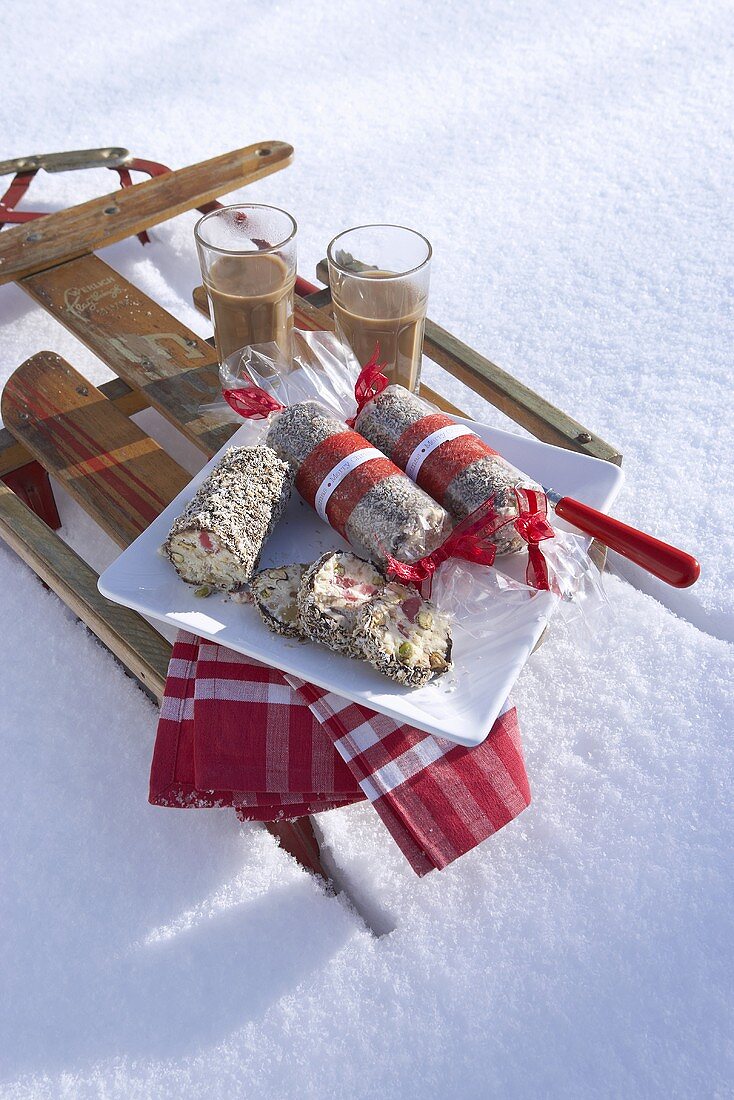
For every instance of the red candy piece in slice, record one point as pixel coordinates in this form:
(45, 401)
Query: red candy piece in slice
(206, 543)
(411, 607)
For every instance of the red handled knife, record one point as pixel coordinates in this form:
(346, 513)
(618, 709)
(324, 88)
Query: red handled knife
(670, 564)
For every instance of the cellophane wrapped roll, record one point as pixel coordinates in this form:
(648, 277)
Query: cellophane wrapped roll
(449, 461)
(355, 488)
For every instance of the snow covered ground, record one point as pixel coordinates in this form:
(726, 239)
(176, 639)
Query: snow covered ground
(571, 163)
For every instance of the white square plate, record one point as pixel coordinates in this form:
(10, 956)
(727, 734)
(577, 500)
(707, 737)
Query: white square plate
(461, 706)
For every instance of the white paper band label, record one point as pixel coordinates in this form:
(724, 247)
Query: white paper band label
(335, 477)
(429, 445)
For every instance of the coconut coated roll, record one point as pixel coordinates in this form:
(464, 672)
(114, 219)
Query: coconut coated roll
(219, 537)
(404, 636)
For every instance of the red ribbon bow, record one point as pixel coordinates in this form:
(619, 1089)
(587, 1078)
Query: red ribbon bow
(533, 527)
(472, 540)
(371, 381)
(252, 402)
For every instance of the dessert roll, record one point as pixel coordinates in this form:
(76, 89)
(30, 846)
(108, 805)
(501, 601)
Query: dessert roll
(404, 636)
(333, 591)
(218, 538)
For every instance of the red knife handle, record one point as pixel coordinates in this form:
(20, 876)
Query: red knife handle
(666, 562)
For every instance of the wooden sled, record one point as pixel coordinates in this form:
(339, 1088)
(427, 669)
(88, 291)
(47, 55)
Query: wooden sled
(83, 436)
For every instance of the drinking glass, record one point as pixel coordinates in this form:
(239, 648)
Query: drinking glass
(248, 262)
(379, 277)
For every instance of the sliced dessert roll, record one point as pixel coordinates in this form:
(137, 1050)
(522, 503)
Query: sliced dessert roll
(333, 591)
(275, 595)
(404, 636)
(218, 539)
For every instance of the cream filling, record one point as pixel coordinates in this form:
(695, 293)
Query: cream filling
(277, 589)
(218, 566)
(343, 584)
(411, 640)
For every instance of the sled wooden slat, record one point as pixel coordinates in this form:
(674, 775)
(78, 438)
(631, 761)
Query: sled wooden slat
(81, 229)
(139, 647)
(128, 401)
(120, 324)
(523, 405)
(137, 339)
(113, 469)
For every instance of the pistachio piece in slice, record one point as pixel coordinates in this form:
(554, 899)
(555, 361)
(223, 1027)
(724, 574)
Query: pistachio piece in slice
(204, 591)
(405, 652)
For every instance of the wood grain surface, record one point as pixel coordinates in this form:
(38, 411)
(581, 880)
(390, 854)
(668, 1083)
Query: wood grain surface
(128, 401)
(139, 340)
(81, 229)
(118, 474)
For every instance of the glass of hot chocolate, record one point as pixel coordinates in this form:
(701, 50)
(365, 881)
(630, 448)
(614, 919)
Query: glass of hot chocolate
(379, 277)
(248, 262)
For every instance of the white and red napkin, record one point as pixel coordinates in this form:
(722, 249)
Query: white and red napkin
(234, 732)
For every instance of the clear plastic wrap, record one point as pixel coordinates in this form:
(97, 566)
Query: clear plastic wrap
(298, 410)
(499, 601)
(306, 403)
(447, 459)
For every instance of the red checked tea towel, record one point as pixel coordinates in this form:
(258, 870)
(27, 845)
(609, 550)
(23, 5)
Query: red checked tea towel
(236, 733)
(232, 733)
(437, 799)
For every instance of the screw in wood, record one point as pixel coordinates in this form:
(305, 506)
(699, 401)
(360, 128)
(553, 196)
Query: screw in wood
(112, 210)
(83, 391)
(583, 437)
(189, 342)
(33, 237)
